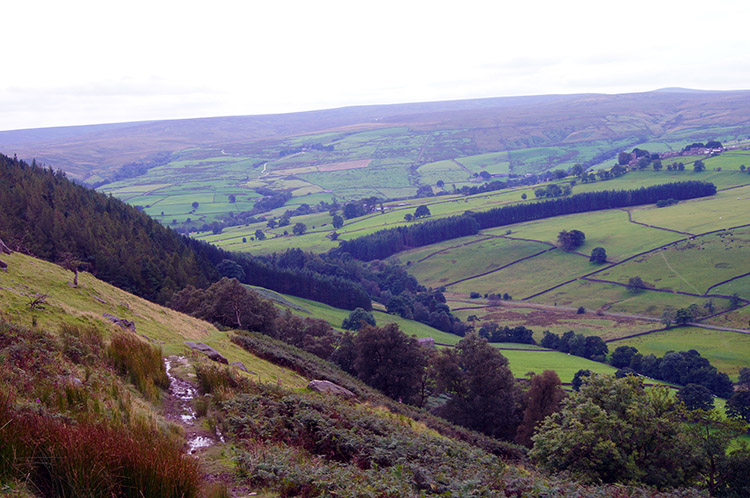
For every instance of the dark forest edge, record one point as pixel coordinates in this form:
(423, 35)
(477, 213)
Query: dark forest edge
(384, 243)
(47, 216)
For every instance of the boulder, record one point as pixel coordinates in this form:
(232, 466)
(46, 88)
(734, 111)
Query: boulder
(328, 387)
(126, 324)
(241, 366)
(208, 351)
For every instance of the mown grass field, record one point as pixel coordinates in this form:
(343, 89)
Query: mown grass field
(727, 351)
(566, 366)
(690, 266)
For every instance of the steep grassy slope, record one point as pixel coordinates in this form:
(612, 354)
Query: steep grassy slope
(275, 439)
(93, 302)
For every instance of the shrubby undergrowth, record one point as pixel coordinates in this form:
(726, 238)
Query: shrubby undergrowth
(69, 426)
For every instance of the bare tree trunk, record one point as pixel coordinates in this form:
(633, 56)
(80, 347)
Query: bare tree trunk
(3, 248)
(75, 278)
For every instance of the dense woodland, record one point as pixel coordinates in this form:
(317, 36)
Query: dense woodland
(384, 243)
(46, 215)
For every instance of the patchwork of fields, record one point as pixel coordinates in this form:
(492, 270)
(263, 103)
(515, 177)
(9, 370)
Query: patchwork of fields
(385, 162)
(669, 248)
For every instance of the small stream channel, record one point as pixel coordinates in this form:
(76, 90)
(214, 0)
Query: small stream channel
(184, 393)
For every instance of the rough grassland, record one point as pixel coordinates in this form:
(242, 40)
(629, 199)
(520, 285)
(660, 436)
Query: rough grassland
(554, 319)
(82, 305)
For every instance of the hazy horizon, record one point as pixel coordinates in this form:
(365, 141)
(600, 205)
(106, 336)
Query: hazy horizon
(83, 62)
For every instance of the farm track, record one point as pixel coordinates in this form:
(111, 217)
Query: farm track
(606, 314)
(676, 272)
(463, 167)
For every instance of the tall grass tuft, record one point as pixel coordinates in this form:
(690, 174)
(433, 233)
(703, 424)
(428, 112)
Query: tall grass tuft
(140, 362)
(90, 459)
(213, 379)
(84, 345)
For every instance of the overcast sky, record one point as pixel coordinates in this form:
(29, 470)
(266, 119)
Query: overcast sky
(84, 62)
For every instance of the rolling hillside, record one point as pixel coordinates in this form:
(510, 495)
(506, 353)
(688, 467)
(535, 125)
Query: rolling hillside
(381, 151)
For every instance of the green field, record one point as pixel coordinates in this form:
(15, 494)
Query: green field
(727, 351)
(472, 258)
(727, 209)
(523, 362)
(528, 277)
(689, 266)
(609, 229)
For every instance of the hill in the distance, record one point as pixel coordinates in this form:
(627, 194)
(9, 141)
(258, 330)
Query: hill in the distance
(498, 124)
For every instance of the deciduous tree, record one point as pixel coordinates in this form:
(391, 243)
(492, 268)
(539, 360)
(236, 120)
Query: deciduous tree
(481, 390)
(389, 360)
(357, 319)
(615, 430)
(542, 399)
(696, 397)
(598, 255)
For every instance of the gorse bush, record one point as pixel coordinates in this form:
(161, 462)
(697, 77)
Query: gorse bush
(140, 362)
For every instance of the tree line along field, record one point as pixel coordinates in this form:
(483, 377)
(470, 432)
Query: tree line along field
(466, 265)
(523, 358)
(441, 206)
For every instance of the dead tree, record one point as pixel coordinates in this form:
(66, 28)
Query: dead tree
(69, 262)
(3, 248)
(37, 301)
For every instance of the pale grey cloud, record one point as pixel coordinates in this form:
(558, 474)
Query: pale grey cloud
(90, 62)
